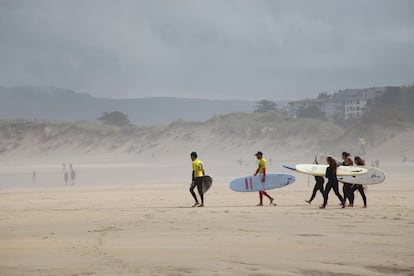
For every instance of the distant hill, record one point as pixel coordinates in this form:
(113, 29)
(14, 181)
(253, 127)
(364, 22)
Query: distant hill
(57, 104)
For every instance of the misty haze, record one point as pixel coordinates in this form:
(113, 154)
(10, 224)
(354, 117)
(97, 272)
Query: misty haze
(102, 102)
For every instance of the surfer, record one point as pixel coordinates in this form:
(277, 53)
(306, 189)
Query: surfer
(332, 182)
(347, 187)
(262, 170)
(318, 186)
(197, 179)
(359, 162)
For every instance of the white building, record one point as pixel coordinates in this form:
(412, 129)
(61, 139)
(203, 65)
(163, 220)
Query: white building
(342, 105)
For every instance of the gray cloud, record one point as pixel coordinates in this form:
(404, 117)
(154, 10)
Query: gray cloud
(207, 49)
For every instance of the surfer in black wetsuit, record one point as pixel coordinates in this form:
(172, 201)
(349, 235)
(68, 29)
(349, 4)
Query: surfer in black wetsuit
(318, 186)
(360, 188)
(347, 188)
(332, 183)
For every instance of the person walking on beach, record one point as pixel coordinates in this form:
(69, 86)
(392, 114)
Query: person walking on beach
(33, 176)
(332, 183)
(360, 162)
(262, 171)
(347, 187)
(66, 177)
(197, 179)
(72, 176)
(318, 186)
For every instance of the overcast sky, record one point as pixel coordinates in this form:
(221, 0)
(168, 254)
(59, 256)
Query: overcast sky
(276, 50)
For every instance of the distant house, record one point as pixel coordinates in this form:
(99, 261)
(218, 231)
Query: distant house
(354, 101)
(342, 105)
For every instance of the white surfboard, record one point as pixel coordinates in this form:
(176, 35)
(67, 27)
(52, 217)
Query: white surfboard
(253, 183)
(320, 170)
(373, 176)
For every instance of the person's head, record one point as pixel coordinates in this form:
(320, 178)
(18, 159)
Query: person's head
(359, 161)
(345, 155)
(331, 161)
(193, 155)
(259, 154)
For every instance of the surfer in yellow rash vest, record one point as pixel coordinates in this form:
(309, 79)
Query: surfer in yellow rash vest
(262, 170)
(197, 179)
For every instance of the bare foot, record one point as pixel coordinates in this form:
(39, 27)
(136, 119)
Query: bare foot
(308, 202)
(195, 204)
(321, 207)
(260, 204)
(271, 202)
(201, 205)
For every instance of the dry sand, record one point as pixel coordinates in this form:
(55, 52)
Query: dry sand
(135, 224)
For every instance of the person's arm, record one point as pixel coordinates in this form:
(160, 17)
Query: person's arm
(257, 171)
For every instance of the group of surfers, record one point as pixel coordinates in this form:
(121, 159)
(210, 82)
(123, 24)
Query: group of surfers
(348, 189)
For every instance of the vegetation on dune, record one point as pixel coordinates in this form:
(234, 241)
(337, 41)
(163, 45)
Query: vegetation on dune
(384, 118)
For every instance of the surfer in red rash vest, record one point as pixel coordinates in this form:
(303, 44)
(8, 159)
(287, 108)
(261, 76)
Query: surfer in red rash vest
(262, 170)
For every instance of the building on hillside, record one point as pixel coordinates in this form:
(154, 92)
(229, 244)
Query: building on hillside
(354, 101)
(342, 105)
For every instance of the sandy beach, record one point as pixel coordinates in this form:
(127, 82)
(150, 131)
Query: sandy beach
(147, 227)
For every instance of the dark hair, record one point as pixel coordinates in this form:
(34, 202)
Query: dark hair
(346, 154)
(359, 161)
(194, 154)
(331, 162)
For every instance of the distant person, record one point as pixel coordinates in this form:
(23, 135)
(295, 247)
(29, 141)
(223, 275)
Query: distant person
(262, 171)
(66, 177)
(347, 187)
(197, 179)
(72, 176)
(332, 183)
(33, 177)
(63, 166)
(360, 188)
(319, 181)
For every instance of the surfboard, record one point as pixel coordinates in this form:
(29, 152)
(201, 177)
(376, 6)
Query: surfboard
(373, 176)
(320, 170)
(207, 182)
(253, 183)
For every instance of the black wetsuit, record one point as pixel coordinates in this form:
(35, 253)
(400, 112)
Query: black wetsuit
(198, 182)
(332, 184)
(348, 192)
(318, 187)
(360, 188)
